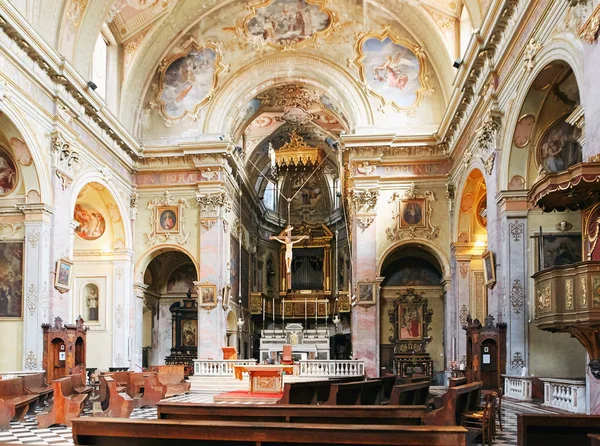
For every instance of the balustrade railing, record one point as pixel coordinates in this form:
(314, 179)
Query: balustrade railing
(518, 387)
(218, 367)
(332, 368)
(565, 394)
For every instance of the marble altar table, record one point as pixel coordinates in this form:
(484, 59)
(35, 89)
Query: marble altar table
(264, 378)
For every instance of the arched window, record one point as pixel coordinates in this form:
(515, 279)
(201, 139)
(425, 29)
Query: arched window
(99, 66)
(270, 196)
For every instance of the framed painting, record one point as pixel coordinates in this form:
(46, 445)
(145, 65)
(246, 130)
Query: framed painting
(208, 295)
(366, 293)
(410, 322)
(8, 173)
(410, 318)
(167, 220)
(558, 149)
(11, 280)
(412, 213)
(62, 275)
(91, 222)
(489, 268)
(189, 332)
(560, 249)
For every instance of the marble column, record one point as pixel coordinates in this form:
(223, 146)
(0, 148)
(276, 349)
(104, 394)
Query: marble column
(136, 310)
(37, 283)
(365, 316)
(214, 255)
(460, 305)
(121, 352)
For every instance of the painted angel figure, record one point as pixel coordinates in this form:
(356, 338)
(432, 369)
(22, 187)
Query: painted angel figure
(394, 70)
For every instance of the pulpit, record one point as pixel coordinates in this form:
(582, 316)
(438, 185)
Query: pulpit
(486, 351)
(64, 348)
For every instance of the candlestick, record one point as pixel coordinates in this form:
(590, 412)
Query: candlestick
(273, 316)
(283, 314)
(316, 315)
(305, 315)
(264, 306)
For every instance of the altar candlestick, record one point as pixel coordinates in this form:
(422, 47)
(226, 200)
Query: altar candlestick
(273, 316)
(316, 315)
(305, 314)
(283, 314)
(263, 302)
(326, 311)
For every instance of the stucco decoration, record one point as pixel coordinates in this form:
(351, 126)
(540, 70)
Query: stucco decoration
(391, 69)
(413, 215)
(188, 79)
(176, 232)
(287, 24)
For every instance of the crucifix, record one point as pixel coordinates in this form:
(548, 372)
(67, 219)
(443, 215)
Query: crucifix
(289, 241)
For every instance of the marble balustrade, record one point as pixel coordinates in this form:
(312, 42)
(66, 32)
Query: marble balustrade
(518, 387)
(218, 367)
(565, 394)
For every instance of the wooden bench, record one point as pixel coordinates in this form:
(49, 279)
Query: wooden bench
(174, 382)
(120, 378)
(410, 394)
(15, 400)
(36, 383)
(455, 382)
(455, 402)
(115, 405)
(144, 389)
(67, 404)
(370, 393)
(400, 415)
(344, 394)
(551, 430)
(388, 383)
(116, 432)
(301, 393)
(594, 440)
(79, 384)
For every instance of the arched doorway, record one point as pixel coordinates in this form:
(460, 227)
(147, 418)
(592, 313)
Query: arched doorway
(412, 311)
(167, 325)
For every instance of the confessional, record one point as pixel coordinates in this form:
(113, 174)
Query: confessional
(64, 348)
(486, 352)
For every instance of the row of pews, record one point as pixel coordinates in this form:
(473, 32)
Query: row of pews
(21, 395)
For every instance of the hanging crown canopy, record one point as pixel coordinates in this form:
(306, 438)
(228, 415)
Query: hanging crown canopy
(296, 153)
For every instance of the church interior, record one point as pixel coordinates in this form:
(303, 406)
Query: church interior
(319, 205)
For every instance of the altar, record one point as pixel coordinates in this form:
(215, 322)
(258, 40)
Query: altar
(264, 378)
(306, 344)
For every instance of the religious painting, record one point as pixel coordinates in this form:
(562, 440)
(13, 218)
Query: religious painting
(167, 219)
(182, 279)
(189, 332)
(285, 24)
(482, 211)
(489, 268)
(62, 275)
(412, 213)
(558, 149)
(187, 80)
(411, 272)
(392, 70)
(91, 298)
(11, 280)
(560, 249)
(523, 130)
(8, 173)
(366, 293)
(208, 295)
(410, 325)
(91, 222)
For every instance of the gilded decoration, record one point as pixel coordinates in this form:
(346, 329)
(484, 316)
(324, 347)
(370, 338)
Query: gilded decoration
(583, 284)
(363, 200)
(569, 293)
(413, 215)
(391, 69)
(589, 30)
(296, 153)
(410, 318)
(167, 220)
(187, 80)
(287, 24)
(544, 297)
(592, 230)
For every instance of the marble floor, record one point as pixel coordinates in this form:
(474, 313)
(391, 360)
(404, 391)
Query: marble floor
(27, 432)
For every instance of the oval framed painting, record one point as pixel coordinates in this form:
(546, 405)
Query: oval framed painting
(8, 173)
(91, 222)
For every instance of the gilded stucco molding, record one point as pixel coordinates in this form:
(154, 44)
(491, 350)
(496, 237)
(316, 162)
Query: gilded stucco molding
(589, 31)
(66, 159)
(417, 205)
(161, 233)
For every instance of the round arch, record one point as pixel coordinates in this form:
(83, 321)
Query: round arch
(561, 51)
(91, 176)
(41, 168)
(150, 254)
(464, 178)
(425, 245)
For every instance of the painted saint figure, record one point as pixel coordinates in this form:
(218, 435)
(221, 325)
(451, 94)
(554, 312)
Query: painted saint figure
(394, 72)
(92, 303)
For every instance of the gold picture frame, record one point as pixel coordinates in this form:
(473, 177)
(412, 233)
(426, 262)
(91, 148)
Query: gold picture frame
(362, 62)
(366, 293)
(63, 275)
(207, 296)
(413, 213)
(489, 268)
(167, 220)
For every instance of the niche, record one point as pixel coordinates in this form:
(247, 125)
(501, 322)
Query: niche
(91, 298)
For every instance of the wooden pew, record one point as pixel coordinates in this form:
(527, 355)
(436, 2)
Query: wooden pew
(388, 415)
(453, 404)
(116, 405)
(121, 380)
(386, 388)
(300, 393)
(174, 382)
(79, 385)
(370, 392)
(67, 404)
(36, 383)
(594, 440)
(144, 389)
(344, 394)
(117, 432)
(167, 369)
(455, 382)
(552, 430)
(410, 394)
(15, 400)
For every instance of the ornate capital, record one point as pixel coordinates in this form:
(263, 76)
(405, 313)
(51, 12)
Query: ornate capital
(488, 134)
(66, 159)
(363, 200)
(213, 205)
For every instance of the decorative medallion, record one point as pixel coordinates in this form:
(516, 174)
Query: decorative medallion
(287, 24)
(391, 69)
(119, 316)
(32, 299)
(91, 222)
(188, 80)
(517, 296)
(413, 215)
(544, 298)
(463, 316)
(517, 362)
(516, 230)
(30, 361)
(569, 293)
(523, 131)
(464, 270)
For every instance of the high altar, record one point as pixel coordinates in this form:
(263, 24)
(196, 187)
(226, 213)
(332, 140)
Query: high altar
(306, 344)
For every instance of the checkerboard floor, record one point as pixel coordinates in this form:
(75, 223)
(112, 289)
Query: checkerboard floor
(27, 432)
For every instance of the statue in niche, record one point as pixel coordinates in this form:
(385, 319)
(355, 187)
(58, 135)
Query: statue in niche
(91, 300)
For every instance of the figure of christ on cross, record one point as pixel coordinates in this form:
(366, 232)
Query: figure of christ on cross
(289, 241)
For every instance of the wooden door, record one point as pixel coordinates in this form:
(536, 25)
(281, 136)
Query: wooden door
(489, 364)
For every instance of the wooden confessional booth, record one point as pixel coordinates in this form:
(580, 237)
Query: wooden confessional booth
(64, 348)
(486, 352)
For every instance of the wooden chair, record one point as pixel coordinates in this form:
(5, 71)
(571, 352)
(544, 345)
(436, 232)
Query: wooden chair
(287, 354)
(15, 400)
(67, 405)
(116, 405)
(483, 421)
